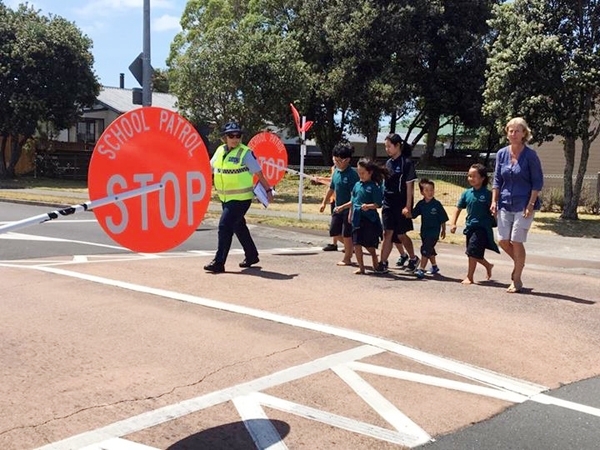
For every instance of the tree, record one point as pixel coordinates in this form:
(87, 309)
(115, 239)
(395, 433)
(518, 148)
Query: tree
(160, 81)
(232, 62)
(448, 66)
(46, 76)
(543, 66)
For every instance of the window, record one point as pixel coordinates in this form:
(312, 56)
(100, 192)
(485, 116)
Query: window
(89, 130)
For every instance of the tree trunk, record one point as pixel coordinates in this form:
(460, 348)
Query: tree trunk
(393, 121)
(432, 134)
(3, 142)
(569, 207)
(371, 149)
(15, 155)
(328, 134)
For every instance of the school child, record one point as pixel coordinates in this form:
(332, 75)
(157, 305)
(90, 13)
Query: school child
(343, 180)
(433, 225)
(333, 245)
(479, 223)
(367, 197)
(398, 200)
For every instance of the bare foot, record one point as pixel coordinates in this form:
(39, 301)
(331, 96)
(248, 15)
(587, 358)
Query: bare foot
(359, 272)
(467, 281)
(489, 271)
(344, 263)
(515, 288)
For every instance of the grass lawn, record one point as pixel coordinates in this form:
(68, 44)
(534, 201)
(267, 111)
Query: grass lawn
(286, 199)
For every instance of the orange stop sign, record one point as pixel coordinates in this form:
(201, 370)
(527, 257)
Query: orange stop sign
(143, 147)
(271, 155)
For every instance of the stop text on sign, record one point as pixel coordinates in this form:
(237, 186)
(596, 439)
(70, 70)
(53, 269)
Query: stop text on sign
(271, 155)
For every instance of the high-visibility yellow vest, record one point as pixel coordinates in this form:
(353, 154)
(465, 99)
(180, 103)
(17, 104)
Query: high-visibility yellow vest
(232, 179)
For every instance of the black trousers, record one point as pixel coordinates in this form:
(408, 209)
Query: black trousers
(233, 222)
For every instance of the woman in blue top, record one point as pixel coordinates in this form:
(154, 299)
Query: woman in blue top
(518, 180)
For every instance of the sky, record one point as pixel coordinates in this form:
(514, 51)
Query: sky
(116, 29)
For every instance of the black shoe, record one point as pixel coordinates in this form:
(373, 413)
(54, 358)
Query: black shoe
(413, 263)
(249, 262)
(215, 267)
(382, 267)
(330, 248)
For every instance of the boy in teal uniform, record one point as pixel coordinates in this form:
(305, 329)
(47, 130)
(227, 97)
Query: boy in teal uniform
(343, 180)
(433, 225)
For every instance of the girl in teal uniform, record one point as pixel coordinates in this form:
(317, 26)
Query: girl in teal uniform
(367, 197)
(478, 226)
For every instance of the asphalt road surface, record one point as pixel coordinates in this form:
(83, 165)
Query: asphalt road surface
(103, 348)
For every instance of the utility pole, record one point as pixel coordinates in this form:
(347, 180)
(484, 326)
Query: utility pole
(147, 67)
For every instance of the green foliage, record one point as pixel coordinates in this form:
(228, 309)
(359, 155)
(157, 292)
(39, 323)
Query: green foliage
(543, 65)
(46, 74)
(232, 62)
(160, 81)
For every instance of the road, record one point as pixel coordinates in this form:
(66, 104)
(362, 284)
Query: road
(103, 348)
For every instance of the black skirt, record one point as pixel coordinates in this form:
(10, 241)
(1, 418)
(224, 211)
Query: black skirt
(368, 234)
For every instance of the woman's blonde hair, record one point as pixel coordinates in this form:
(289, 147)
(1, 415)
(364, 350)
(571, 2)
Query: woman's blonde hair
(527, 135)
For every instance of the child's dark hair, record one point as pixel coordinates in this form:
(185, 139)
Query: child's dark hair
(343, 150)
(405, 147)
(483, 173)
(423, 182)
(378, 172)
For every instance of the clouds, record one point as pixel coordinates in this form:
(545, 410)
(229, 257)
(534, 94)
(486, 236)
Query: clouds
(109, 7)
(115, 27)
(166, 23)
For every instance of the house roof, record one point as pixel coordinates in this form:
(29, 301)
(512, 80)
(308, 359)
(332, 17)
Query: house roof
(121, 101)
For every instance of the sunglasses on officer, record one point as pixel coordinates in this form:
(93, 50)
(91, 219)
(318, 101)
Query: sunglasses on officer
(234, 135)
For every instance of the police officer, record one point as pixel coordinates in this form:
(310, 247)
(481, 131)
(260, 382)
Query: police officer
(234, 166)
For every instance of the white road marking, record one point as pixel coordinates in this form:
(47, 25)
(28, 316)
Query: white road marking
(167, 413)
(383, 406)
(549, 400)
(505, 388)
(261, 429)
(33, 237)
(79, 259)
(475, 373)
(439, 382)
(345, 423)
(118, 444)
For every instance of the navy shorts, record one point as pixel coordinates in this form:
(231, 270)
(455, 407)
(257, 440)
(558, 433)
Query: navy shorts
(394, 220)
(428, 246)
(339, 225)
(476, 243)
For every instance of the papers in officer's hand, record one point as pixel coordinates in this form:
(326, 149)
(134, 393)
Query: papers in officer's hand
(261, 194)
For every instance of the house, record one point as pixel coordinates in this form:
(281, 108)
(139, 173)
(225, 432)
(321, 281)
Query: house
(552, 158)
(360, 143)
(110, 104)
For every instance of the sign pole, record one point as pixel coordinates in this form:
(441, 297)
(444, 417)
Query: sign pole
(302, 153)
(147, 67)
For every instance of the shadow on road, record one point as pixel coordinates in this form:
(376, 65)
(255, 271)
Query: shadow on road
(557, 296)
(233, 436)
